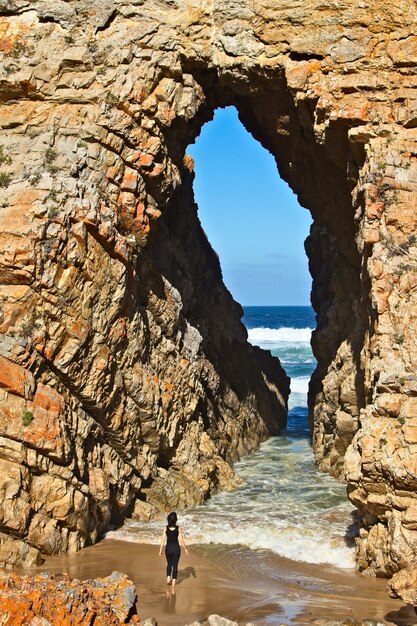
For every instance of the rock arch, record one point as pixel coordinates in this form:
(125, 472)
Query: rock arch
(114, 315)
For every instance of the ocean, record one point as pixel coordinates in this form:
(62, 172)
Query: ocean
(286, 505)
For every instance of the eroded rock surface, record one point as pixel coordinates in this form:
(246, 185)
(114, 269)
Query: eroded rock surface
(403, 585)
(127, 382)
(119, 339)
(55, 599)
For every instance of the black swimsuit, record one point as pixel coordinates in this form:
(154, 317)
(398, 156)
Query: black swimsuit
(172, 551)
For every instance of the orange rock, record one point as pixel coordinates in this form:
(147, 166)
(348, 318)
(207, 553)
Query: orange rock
(49, 351)
(157, 169)
(76, 328)
(130, 181)
(146, 160)
(298, 74)
(140, 208)
(404, 51)
(16, 379)
(189, 162)
(376, 268)
(375, 210)
(64, 602)
(101, 364)
(127, 201)
(140, 226)
(113, 173)
(47, 398)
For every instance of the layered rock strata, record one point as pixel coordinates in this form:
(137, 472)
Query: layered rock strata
(128, 385)
(119, 339)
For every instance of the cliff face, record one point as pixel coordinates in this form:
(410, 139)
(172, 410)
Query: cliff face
(127, 380)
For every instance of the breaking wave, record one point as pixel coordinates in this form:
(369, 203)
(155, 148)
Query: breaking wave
(268, 337)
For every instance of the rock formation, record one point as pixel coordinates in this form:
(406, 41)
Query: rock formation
(218, 620)
(52, 600)
(403, 585)
(127, 380)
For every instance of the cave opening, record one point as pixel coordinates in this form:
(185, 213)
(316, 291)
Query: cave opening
(322, 177)
(322, 170)
(232, 200)
(251, 216)
(257, 227)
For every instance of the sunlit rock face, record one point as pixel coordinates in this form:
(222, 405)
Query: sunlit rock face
(128, 384)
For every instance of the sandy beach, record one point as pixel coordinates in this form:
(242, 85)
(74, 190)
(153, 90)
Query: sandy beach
(236, 582)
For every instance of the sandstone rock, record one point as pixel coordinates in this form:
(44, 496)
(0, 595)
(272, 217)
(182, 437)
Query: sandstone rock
(117, 333)
(403, 585)
(51, 599)
(214, 620)
(18, 553)
(217, 620)
(39, 621)
(149, 621)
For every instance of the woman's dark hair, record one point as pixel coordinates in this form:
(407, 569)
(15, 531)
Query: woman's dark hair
(172, 519)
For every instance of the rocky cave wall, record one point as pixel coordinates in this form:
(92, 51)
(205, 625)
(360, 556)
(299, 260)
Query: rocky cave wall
(119, 339)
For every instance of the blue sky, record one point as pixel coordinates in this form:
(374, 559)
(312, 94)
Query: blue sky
(251, 216)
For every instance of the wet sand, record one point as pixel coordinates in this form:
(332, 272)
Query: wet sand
(238, 583)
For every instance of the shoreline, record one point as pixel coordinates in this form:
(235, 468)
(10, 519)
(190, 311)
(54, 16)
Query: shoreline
(235, 582)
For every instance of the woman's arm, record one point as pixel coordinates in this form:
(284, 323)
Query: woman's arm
(163, 540)
(181, 538)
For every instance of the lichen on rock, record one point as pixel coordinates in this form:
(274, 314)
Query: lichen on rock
(49, 599)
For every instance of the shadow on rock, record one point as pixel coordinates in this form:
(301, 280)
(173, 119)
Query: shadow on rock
(406, 616)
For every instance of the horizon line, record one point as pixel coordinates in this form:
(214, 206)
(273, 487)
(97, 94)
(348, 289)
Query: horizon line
(276, 305)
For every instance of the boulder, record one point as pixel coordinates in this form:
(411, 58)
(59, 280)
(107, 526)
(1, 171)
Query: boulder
(56, 598)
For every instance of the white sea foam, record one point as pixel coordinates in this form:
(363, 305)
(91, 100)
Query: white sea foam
(296, 542)
(292, 542)
(299, 385)
(286, 506)
(267, 337)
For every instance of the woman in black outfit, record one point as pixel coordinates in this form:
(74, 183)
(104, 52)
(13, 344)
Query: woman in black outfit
(172, 536)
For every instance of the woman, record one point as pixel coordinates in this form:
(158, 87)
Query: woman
(172, 536)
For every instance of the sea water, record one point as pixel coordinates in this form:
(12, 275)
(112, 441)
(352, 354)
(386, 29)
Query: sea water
(286, 505)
